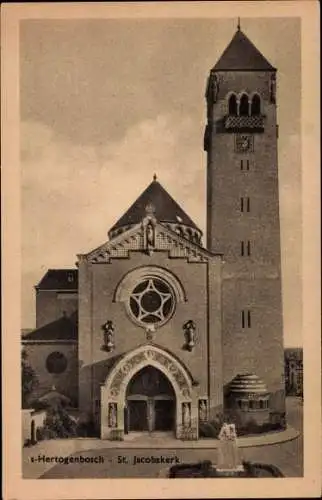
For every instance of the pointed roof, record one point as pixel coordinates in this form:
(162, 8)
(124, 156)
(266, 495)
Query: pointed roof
(157, 200)
(241, 54)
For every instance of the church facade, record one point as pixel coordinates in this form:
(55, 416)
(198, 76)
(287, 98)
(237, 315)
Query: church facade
(154, 331)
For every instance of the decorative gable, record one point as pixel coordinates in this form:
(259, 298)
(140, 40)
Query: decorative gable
(148, 236)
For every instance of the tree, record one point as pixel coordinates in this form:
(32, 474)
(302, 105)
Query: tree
(29, 379)
(58, 424)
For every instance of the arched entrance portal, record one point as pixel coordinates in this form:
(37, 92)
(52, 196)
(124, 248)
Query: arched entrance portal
(150, 402)
(162, 388)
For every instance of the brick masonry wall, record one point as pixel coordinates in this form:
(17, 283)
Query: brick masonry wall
(98, 283)
(66, 382)
(51, 305)
(250, 282)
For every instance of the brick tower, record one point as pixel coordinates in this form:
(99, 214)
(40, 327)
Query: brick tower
(243, 212)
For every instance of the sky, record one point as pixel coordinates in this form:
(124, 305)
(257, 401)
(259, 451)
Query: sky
(106, 103)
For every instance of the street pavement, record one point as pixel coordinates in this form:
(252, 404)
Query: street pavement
(145, 463)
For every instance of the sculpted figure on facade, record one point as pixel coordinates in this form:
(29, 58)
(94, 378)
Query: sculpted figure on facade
(186, 416)
(190, 335)
(112, 415)
(203, 412)
(109, 330)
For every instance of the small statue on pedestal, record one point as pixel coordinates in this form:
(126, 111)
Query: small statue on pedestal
(189, 331)
(186, 414)
(203, 413)
(228, 456)
(108, 329)
(112, 415)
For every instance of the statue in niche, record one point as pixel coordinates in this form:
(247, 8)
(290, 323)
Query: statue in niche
(108, 329)
(190, 335)
(203, 410)
(186, 414)
(112, 415)
(215, 87)
(150, 237)
(272, 90)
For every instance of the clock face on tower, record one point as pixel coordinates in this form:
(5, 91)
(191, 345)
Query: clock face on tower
(244, 143)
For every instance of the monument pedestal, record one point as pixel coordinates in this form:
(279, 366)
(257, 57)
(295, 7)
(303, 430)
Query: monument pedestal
(236, 471)
(229, 463)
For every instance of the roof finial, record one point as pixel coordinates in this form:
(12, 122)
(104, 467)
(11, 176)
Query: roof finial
(154, 177)
(238, 24)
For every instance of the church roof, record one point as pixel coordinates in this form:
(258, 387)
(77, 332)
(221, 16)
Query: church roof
(64, 328)
(165, 208)
(241, 54)
(59, 279)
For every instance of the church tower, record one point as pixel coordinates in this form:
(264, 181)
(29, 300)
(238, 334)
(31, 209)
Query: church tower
(243, 212)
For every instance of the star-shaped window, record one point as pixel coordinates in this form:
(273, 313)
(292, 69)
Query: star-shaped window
(152, 301)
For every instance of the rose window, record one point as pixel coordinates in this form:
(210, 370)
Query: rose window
(152, 301)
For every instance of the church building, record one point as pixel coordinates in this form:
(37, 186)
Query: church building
(155, 331)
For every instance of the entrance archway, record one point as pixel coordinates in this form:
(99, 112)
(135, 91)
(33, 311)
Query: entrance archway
(150, 402)
(179, 394)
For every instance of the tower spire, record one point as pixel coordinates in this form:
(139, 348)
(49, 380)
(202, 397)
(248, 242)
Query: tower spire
(238, 24)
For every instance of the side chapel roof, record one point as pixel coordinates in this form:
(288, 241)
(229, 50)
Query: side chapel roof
(59, 279)
(64, 328)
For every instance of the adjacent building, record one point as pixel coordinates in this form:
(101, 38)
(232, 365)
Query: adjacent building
(294, 371)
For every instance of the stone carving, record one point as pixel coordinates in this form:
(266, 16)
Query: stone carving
(112, 415)
(203, 410)
(177, 374)
(148, 355)
(190, 335)
(108, 329)
(100, 257)
(186, 414)
(146, 238)
(121, 373)
(150, 331)
(149, 237)
(228, 457)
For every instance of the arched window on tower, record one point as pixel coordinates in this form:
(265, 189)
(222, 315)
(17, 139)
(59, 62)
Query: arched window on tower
(244, 105)
(256, 105)
(232, 105)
